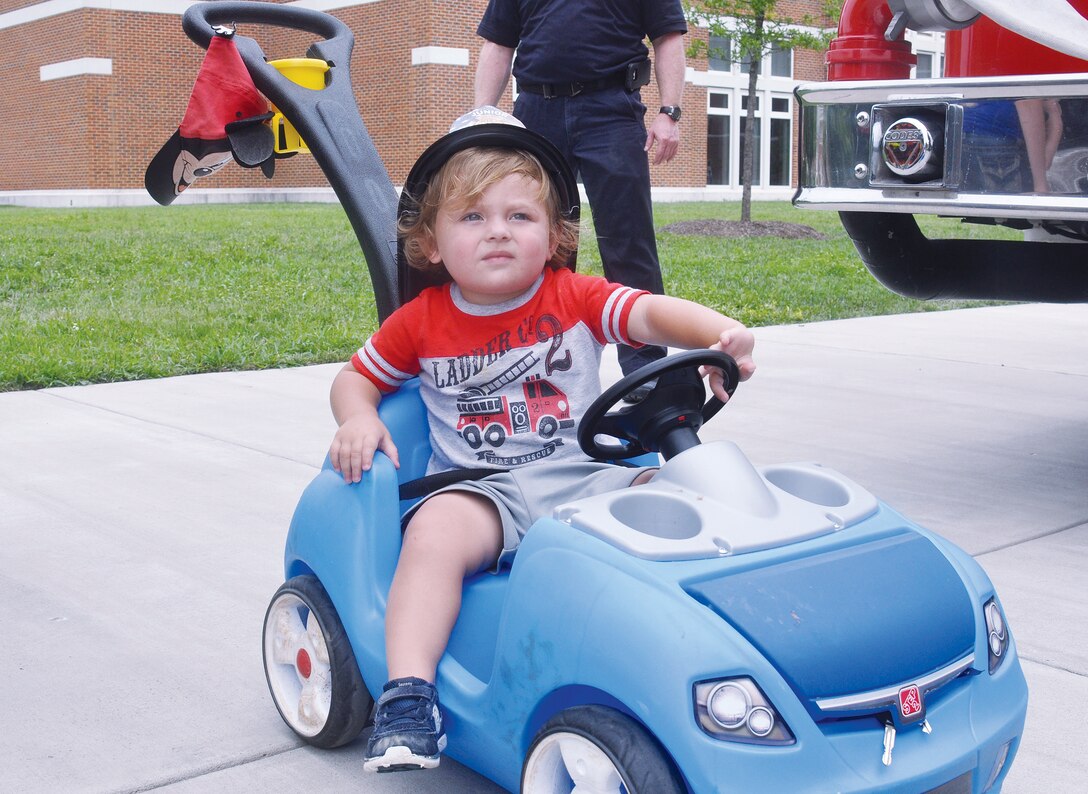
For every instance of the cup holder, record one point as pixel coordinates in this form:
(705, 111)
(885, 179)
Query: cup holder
(658, 515)
(809, 485)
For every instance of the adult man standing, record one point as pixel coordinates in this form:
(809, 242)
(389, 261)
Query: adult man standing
(579, 67)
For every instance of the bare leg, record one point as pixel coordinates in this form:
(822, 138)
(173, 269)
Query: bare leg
(452, 536)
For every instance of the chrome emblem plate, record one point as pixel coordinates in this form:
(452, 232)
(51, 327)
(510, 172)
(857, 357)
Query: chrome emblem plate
(907, 147)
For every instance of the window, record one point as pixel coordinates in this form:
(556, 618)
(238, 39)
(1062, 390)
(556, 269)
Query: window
(781, 62)
(781, 144)
(930, 64)
(929, 48)
(717, 150)
(771, 131)
(772, 138)
(745, 60)
(925, 65)
(720, 56)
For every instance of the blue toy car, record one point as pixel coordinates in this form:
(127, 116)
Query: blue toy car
(722, 628)
(725, 627)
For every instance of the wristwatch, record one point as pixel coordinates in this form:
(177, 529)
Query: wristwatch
(672, 111)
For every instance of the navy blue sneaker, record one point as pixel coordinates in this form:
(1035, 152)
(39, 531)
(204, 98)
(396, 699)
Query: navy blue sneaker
(407, 728)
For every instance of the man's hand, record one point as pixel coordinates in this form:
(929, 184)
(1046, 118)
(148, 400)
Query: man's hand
(666, 134)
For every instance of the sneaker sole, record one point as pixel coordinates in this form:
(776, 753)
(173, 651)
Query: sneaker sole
(400, 759)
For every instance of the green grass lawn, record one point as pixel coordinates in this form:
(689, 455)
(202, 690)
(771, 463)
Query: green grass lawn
(94, 295)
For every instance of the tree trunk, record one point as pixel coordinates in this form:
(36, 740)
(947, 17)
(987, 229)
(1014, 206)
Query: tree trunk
(748, 163)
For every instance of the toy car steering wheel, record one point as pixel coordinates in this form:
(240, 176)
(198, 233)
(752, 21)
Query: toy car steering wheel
(668, 419)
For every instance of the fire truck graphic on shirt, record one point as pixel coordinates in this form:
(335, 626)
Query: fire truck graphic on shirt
(488, 418)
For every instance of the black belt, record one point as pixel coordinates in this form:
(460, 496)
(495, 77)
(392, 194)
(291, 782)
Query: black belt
(550, 90)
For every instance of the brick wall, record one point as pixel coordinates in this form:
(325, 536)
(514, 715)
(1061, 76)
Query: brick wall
(797, 9)
(100, 131)
(42, 122)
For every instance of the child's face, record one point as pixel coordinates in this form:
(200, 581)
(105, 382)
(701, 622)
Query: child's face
(496, 246)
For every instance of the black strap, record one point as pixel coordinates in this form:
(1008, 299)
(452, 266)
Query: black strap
(429, 483)
(550, 90)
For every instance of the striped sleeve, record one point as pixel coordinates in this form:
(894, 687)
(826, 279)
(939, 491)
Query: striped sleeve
(617, 311)
(606, 306)
(390, 356)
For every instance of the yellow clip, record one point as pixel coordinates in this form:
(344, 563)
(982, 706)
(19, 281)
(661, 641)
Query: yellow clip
(308, 73)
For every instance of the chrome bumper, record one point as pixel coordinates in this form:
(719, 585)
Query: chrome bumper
(955, 147)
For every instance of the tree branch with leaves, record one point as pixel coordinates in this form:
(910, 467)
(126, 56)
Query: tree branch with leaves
(752, 29)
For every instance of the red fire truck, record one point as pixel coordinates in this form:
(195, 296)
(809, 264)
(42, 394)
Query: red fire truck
(1001, 139)
(490, 418)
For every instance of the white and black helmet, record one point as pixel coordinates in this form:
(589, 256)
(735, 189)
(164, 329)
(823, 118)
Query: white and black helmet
(489, 127)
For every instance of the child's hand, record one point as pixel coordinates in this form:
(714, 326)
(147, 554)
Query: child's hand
(353, 446)
(739, 343)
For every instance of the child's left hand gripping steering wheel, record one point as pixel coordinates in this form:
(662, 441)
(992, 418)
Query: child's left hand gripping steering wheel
(668, 419)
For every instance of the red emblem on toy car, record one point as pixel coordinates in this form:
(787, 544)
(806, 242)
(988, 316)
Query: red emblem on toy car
(910, 702)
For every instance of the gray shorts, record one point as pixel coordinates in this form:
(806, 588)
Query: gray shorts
(523, 495)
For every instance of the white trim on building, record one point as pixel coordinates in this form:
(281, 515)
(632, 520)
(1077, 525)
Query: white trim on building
(75, 68)
(447, 56)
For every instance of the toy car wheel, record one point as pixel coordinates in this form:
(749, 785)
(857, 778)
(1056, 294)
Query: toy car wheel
(595, 748)
(311, 669)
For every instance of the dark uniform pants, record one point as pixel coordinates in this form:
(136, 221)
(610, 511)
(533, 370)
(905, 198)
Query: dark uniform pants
(602, 135)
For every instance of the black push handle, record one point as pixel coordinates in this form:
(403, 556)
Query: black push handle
(200, 18)
(327, 119)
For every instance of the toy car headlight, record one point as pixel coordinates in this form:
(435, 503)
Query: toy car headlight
(997, 634)
(735, 709)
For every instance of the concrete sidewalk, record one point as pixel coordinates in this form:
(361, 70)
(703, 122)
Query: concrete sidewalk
(143, 527)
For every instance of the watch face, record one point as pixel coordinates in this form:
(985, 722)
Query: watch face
(672, 111)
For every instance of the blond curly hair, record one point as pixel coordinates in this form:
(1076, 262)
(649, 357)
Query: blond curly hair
(463, 179)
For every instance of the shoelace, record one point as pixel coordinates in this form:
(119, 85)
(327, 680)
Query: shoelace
(405, 710)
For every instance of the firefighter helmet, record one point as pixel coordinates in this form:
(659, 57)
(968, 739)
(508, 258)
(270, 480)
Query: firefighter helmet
(484, 126)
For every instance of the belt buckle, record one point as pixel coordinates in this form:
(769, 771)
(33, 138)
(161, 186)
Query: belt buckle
(549, 90)
(576, 88)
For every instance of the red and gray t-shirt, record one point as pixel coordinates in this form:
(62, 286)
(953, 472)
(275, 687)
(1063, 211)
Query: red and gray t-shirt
(504, 385)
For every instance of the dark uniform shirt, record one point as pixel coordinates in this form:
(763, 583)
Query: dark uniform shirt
(562, 41)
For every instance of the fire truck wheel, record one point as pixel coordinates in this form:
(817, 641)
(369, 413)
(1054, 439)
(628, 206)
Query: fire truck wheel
(471, 434)
(495, 435)
(547, 427)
